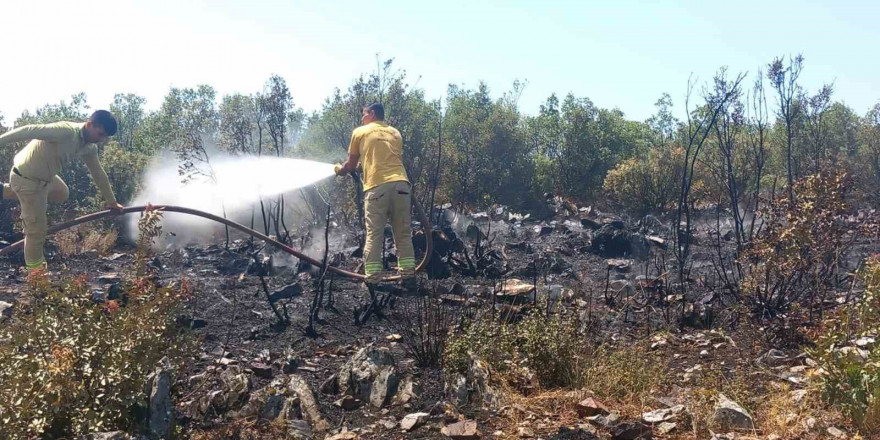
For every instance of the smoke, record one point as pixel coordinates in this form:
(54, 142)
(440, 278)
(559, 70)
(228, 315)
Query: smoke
(232, 187)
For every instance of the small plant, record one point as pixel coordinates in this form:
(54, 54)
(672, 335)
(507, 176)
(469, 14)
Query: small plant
(425, 324)
(551, 347)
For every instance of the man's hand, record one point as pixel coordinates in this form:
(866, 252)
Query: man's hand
(115, 207)
(338, 169)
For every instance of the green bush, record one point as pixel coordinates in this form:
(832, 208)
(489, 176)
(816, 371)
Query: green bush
(852, 378)
(642, 185)
(551, 347)
(70, 366)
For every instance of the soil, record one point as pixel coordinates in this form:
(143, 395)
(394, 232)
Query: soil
(239, 324)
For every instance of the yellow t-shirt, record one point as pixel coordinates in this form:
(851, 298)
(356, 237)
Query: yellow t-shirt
(380, 148)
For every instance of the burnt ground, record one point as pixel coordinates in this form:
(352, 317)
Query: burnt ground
(627, 304)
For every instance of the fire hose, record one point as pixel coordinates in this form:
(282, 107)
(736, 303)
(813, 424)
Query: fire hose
(420, 215)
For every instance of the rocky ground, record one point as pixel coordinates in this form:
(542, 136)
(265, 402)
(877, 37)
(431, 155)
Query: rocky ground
(359, 380)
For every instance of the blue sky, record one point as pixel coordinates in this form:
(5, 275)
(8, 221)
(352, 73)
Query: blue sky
(622, 54)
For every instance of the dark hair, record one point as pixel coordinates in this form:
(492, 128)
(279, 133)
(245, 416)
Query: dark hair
(378, 109)
(105, 120)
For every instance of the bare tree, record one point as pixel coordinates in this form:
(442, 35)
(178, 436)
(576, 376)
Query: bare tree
(816, 110)
(700, 124)
(758, 125)
(784, 80)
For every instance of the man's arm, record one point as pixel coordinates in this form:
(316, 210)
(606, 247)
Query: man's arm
(101, 180)
(349, 165)
(354, 153)
(48, 132)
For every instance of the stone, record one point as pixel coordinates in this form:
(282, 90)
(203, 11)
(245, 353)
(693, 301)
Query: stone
(525, 432)
(591, 407)
(405, 391)
(161, 420)
(311, 411)
(5, 310)
(464, 430)
(612, 242)
(865, 342)
(272, 407)
(414, 421)
(384, 387)
(606, 421)
(853, 355)
(329, 386)
(631, 430)
(657, 241)
(836, 433)
(359, 375)
(290, 364)
(729, 415)
(797, 396)
(515, 291)
(663, 415)
(620, 265)
(774, 357)
(261, 370)
(666, 427)
(109, 278)
(590, 223)
(348, 403)
(236, 387)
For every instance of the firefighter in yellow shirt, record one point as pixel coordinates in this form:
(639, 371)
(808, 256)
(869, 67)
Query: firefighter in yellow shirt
(387, 192)
(34, 179)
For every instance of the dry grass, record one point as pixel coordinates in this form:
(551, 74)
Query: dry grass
(80, 239)
(625, 379)
(243, 429)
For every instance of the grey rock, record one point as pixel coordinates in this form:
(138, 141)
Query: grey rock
(5, 310)
(310, 409)
(774, 357)
(631, 430)
(161, 421)
(384, 387)
(348, 403)
(356, 377)
(261, 370)
(414, 421)
(464, 430)
(729, 415)
(663, 415)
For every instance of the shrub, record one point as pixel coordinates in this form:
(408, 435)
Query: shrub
(70, 366)
(642, 185)
(551, 347)
(852, 377)
(560, 356)
(795, 257)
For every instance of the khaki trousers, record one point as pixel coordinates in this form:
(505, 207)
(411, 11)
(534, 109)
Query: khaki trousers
(33, 195)
(389, 200)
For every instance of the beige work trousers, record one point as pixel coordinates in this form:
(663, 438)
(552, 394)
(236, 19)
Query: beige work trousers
(389, 200)
(33, 195)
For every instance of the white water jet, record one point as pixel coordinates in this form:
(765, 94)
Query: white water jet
(232, 186)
